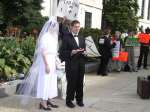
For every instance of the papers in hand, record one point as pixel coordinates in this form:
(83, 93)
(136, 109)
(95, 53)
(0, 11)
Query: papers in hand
(76, 51)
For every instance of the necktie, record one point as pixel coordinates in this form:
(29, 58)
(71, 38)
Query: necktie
(77, 40)
(75, 36)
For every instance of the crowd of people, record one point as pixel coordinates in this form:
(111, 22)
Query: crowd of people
(129, 43)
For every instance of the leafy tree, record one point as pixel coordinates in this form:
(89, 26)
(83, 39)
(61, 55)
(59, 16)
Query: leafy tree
(33, 16)
(120, 14)
(13, 10)
(1, 13)
(24, 14)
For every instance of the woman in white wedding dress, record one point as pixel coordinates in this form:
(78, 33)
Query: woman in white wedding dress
(41, 80)
(47, 79)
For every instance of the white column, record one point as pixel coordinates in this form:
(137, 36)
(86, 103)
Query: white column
(46, 8)
(146, 9)
(51, 7)
(54, 6)
(140, 7)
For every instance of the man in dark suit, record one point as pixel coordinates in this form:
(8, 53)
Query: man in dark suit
(72, 52)
(105, 47)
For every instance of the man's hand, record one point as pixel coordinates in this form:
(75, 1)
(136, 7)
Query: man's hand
(76, 51)
(85, 53)
(80, 50)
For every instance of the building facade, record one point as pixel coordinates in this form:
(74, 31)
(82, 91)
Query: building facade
(90, 12)
(144, 12)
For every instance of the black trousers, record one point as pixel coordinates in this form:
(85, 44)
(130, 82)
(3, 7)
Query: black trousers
(144, 50)
(75, 76)
(103, 67)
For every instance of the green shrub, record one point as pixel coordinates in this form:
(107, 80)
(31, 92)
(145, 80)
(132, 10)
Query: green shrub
(28, 46)
(14, 57)
(95, 33)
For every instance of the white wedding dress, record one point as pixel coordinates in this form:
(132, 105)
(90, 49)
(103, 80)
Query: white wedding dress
(37, 82)
(47, 83)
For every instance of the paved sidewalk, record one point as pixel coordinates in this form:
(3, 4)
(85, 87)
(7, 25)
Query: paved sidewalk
(113, 93)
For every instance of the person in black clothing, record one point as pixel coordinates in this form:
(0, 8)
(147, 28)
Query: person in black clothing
(72, 52)
(64, 28)
(144, 50)
(105, 47)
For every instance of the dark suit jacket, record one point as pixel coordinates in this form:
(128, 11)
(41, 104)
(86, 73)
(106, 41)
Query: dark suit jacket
(69, 44)
(106, 47)
(62, 30)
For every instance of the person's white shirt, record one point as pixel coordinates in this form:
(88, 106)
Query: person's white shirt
(76, 38)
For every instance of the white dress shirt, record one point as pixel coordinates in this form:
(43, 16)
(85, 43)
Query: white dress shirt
(76, 38)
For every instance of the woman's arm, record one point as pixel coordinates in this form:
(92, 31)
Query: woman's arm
(47, 69)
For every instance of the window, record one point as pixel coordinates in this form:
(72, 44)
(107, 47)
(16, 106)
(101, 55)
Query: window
(148, 16)
(142, 9)
(88, 19)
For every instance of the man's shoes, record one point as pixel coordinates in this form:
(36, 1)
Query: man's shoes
(98, 72)
(118, 70)
(138, 68)
(146, 68)
(80, 103)
(135, 70)
(70, 104)
(104, 74)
